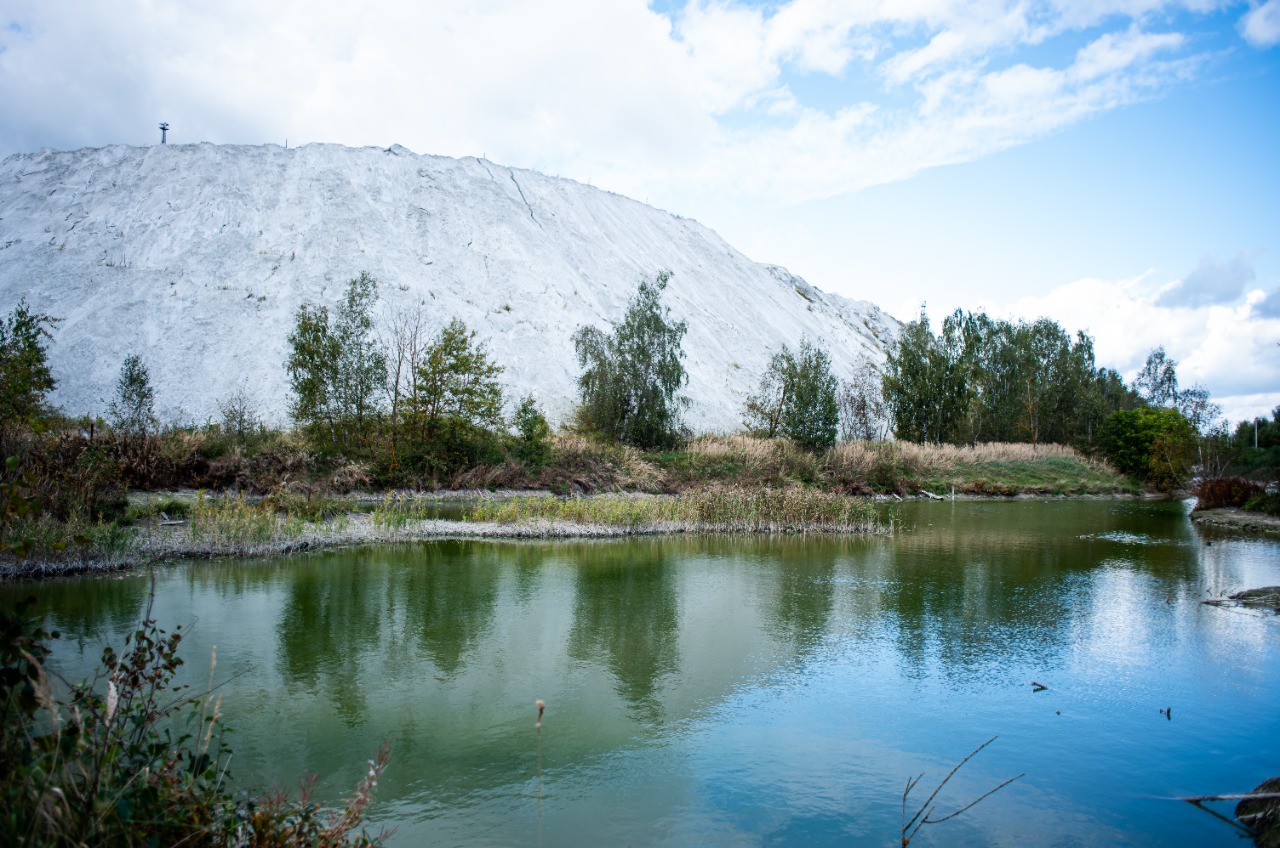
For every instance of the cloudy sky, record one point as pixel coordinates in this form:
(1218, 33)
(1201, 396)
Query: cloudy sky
(1112, 164)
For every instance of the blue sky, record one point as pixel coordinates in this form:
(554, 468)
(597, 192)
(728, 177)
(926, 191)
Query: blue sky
(1112, 164)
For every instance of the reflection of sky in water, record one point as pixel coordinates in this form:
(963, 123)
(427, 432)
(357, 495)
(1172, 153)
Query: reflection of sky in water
(751, 691)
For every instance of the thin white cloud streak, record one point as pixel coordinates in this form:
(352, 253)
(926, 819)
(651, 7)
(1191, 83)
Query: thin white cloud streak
(611, 92)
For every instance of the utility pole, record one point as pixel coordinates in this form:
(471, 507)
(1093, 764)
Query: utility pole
(164, 132)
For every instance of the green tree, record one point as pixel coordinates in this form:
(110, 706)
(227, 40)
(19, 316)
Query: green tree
(25, 379)
(458, 380)
(797, 398)
(132, 410)
(312, 367)
(1157, 382)
(924, 381)
(1153, 445)
(628, 390)
(533, 434)
(337, 369)
(362, 365)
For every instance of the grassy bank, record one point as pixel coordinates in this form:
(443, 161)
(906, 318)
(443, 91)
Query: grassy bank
(712, 484)
(236, 526)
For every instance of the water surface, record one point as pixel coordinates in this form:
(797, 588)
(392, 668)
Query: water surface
(746, 690)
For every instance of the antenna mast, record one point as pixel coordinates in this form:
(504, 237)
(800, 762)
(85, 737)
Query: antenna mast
(164, 132)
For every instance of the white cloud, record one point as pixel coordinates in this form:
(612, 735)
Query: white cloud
(609, 92)
(1261, 25)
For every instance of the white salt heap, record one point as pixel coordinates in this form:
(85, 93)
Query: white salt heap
(198, 256)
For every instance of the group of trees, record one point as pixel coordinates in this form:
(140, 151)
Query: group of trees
(435, 401)
(988, 380)
(26, 380)
(797, 398)
(437, 397)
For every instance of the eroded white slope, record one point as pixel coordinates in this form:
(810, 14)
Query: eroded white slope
(197, 257)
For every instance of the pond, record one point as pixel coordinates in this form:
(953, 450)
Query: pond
(735, 690)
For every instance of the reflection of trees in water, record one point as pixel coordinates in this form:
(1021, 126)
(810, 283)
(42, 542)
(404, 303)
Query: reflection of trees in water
(92, 610)
(1001, 581)
(449, 590)
(625, 613)
(805, 570)
(332, 620)
(528, 559)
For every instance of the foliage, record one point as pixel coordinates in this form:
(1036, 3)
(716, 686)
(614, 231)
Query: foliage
(1256, 446)
(863, 412)
(797, 398)
(533, 434)
(924, 383)
(458, 380)
(130, 758)
(239, 419)
(631, 376)
(987, 380)
(716, 509)
(1157, 382)
(132, 410)
(1225, 492)
(336, 368)
(25, 379)
(1267, 502)
(1154, 445)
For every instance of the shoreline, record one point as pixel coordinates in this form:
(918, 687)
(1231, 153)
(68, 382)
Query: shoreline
(168, 544)
(1237, 519)
(155, 543)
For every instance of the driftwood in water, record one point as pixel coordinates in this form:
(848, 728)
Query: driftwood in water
(1257, 814)
(1267, 597)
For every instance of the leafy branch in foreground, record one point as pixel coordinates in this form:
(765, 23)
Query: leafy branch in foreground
(924, 815)
(130, 758)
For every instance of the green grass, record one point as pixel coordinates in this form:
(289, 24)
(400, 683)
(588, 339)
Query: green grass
(234, 522)
(712, 510)
(1058, 475)
(397, 510)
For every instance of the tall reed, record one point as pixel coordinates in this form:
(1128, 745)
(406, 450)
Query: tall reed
(718, 509)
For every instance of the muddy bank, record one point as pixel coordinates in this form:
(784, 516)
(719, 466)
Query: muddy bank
(159, 543)
(1237, 519)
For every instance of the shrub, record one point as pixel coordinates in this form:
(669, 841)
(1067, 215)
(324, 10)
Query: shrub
(1225, 492)
(533, 435)
(132, 411)
(1267, 503)
(631, 376)
(1153, 445)
(126, 758)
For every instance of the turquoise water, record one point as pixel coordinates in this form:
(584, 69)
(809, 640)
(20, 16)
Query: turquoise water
(745, 690)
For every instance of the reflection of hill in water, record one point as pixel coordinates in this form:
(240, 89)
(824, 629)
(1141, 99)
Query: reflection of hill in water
(443, 647)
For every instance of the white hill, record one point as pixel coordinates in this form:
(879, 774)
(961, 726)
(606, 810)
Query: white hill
(197, 257)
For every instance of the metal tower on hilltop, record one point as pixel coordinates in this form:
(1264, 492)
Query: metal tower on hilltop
(164, 132)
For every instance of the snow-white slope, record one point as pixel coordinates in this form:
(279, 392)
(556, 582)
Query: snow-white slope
(197, 257)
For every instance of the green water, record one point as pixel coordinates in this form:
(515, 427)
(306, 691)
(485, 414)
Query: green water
(745, 690)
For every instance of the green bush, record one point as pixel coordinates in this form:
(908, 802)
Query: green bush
(533, 435)
(1220, 492)
(1152, 445)
(1267, 503)
(128, 759)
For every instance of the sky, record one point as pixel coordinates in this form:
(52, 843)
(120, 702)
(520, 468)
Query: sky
(1111, 164)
